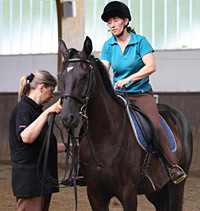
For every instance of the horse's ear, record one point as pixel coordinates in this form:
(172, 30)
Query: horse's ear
(62, 48)
(87, 47)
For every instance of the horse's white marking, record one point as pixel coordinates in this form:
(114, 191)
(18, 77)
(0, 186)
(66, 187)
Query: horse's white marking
(69, 68)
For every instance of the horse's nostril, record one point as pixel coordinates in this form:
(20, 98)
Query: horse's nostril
(69, 120)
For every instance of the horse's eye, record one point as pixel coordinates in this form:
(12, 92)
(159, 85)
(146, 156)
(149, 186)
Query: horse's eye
(84, 76)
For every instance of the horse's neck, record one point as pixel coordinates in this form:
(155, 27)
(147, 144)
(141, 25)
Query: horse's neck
(105, 115)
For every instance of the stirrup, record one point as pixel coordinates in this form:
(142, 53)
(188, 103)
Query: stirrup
(180, 179)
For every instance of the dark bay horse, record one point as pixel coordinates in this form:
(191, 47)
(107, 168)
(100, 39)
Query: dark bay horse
(110, 157)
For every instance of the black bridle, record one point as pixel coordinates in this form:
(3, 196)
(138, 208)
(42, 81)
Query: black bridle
(83, 110)
(87, 97)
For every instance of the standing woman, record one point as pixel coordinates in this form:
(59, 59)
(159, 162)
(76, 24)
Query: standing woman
(132, 60)
(28, 127)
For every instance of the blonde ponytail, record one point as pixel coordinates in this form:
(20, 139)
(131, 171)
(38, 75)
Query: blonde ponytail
(24, 88)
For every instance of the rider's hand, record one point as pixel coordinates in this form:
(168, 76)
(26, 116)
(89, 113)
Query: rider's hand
(121, 83)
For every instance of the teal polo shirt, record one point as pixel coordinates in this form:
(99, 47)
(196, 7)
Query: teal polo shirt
(128, 63)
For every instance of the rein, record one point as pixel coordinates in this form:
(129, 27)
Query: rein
(85, 118)
(118, 148)
(66, 181)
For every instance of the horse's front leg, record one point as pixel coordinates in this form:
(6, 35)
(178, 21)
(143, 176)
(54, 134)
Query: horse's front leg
(98, 202)
(128, 199)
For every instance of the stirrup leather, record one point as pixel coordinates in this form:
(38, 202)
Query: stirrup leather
(179, 179)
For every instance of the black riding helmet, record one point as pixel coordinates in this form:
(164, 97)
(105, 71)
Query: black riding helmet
(115, 8)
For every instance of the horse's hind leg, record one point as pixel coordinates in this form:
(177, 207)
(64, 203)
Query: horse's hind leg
(176, 193)
(169, 198)
(160, 199)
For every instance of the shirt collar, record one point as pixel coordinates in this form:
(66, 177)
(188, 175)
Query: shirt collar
(113, 40)
(32, 102)
(132, 41)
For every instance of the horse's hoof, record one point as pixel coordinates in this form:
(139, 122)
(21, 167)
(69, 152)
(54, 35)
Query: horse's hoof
(81, 182)
(67, 182)
(178, 176)
(70, 182)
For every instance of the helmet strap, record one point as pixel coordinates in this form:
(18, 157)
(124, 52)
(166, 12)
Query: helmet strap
(125, 26)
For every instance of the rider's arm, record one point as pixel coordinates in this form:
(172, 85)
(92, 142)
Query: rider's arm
(148, 69)
(106, 64)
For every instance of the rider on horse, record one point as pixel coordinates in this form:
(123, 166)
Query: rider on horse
(132, 60)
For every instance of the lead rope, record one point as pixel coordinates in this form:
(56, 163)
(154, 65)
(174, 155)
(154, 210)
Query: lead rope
(47, 143)
(71, 180)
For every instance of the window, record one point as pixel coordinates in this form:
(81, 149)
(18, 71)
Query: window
(28, 27)
(167, 24)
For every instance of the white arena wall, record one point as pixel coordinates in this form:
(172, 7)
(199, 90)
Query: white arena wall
(177, 70)
(12, 68)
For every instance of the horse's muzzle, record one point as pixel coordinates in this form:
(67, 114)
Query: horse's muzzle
(69, 121)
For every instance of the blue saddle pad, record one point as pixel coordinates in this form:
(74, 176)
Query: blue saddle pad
(141, 139)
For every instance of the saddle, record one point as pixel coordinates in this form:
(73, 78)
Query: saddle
(145, 132)
(146, 127)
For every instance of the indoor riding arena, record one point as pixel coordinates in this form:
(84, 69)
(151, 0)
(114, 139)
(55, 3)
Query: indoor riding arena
(29, 41)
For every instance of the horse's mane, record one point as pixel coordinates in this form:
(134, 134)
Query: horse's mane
(107, 82)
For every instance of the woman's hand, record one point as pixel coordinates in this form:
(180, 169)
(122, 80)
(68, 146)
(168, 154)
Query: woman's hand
(121, 83)
(55, 108)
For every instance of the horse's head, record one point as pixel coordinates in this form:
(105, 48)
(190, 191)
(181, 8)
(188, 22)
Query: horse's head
(76, 78)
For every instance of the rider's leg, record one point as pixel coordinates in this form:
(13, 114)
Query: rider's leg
(147, 104)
